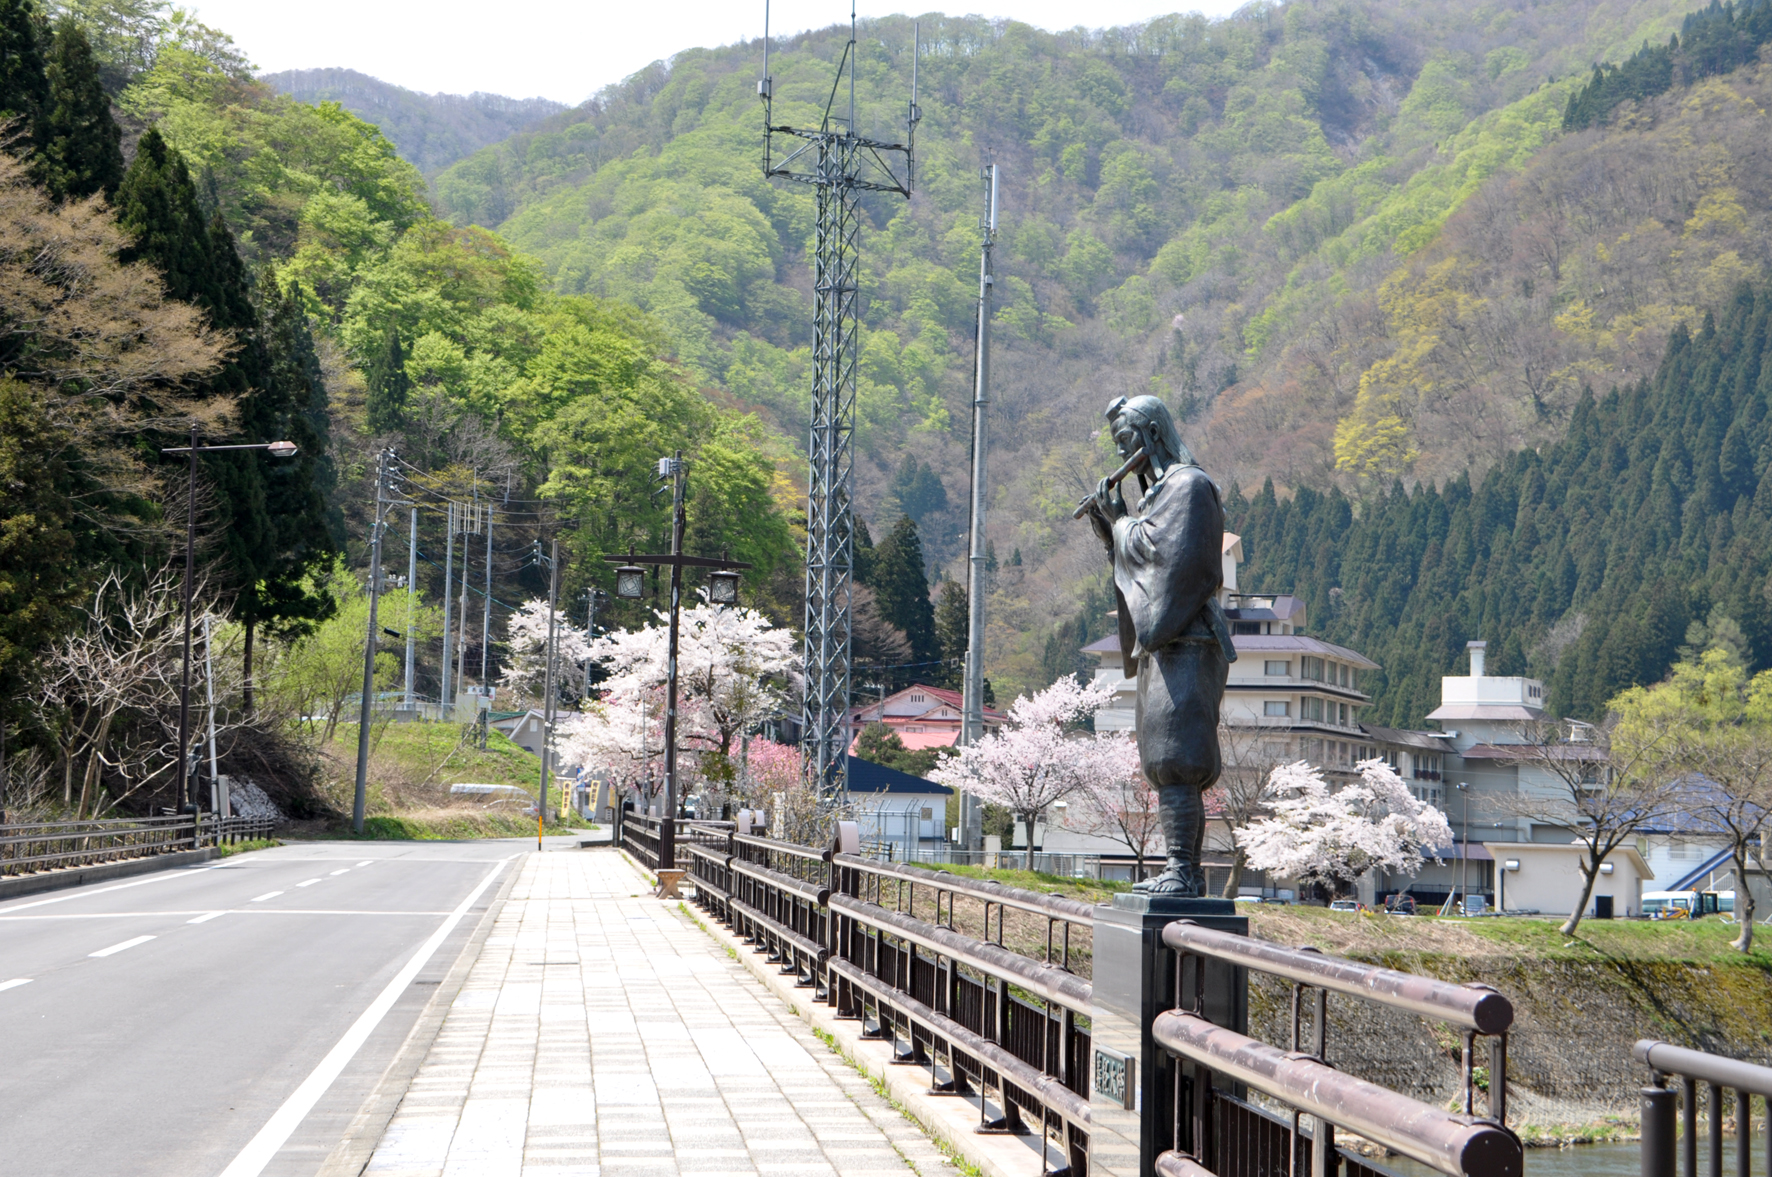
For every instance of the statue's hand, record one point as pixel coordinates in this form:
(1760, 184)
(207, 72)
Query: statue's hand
(1109, 501)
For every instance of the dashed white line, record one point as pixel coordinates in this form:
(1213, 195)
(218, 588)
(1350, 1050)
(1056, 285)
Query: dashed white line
(14, 983)
(252, 1159)
(265, 896)
(342, 871)
(308, 882)
(206, 917)
(116, 948)
(366, 862)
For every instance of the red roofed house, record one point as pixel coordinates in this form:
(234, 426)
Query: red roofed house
(923, 716)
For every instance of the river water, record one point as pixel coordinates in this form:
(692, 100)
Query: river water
(1590, 1160)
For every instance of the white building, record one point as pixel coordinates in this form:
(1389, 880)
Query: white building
(896, 807)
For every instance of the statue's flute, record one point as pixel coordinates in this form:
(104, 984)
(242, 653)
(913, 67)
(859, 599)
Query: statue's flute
(1133, 464)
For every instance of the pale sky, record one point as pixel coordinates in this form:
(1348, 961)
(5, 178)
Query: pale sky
(566, 51)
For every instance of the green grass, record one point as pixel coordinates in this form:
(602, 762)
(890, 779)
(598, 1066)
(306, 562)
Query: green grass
(447, 826)
(228, 849)
(1700, 942)
(413, 753)
(1029, 880)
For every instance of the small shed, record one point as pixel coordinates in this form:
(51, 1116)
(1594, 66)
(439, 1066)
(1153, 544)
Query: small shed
(897, 807)
(1546, 877)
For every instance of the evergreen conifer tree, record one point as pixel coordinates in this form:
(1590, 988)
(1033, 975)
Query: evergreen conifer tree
(24, 87)
(952, 626)
(80, 152)
(902, 588)
(157, 206)
(388, 385)
(303, 531)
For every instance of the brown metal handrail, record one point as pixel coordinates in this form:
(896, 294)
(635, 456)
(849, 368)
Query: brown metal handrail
(1055, 906)
(1446, 1142)
(1718, 1073)
(1474, 1007)
(1042, 980)
(866, 959)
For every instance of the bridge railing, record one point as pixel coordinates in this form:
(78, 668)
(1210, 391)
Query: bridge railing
(990, 1023)
(1718, 1075)
(34, 847)
(1217, 1129)
(641, 835)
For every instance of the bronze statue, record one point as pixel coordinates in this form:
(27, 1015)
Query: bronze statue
(1168, 570)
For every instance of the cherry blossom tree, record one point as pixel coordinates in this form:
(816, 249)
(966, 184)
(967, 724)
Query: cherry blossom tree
(1035, 759)
(1117, 801)
(1317, 835)
(525, 671)
(733, 670)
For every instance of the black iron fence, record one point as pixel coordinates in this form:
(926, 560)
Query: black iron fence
(35, 847)
(1220, 1127)
(989, 1023)
(1663, 1106)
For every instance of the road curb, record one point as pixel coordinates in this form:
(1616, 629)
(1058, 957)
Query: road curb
(14, 886)
(949, 1120)
(357, 1146)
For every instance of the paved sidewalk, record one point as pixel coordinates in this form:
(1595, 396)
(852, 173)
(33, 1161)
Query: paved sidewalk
(600, 1033)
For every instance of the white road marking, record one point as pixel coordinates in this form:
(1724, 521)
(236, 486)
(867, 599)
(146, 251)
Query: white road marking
(82, 893)
(342, 871)
(206, 917)
(116, 948)
(366, 862)
(259, 1151)
(124, 915)
(265, 896)
(308, 882)
(14, 983)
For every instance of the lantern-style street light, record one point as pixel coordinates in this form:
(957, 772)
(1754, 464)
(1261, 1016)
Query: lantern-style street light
(277, 449)
(630, 582)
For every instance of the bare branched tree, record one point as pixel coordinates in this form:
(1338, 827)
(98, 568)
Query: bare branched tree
(1602, 783)
(1729, 793)
(1249, 757)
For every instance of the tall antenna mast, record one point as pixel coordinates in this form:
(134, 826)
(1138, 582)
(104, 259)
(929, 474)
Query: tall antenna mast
(840, 164)
(972, 705)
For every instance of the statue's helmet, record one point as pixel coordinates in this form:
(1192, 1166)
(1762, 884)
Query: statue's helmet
(1155, 425)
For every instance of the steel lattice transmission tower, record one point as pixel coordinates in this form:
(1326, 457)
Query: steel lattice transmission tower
(841, 163)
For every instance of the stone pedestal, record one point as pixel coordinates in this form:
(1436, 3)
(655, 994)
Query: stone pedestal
(1131, 1079)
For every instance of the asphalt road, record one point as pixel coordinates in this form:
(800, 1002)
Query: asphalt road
(157, 1025)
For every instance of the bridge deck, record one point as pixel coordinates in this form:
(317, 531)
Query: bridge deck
(600, 1033)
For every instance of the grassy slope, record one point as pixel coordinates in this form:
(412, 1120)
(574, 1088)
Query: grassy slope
(412, 765)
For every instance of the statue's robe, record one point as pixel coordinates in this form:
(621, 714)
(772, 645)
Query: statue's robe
(1168, 569)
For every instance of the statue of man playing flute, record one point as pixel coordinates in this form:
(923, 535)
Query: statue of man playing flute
(1168, 569)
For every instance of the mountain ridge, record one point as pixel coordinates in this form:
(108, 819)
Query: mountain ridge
(430, 131)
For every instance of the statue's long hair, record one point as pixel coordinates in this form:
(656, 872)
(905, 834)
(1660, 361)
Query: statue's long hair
(1159, 428)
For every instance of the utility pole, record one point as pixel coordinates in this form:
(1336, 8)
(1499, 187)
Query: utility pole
(840, 164)
(668, 833)
(218, 797)
(381, 487)
(972, 721)
(486, 612)
(446, 701)
(547, 702)
(411, 604)
(470, 526)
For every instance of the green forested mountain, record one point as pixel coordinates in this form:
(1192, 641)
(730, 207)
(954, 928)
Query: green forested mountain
(182, 247)
(1242, 215)
(1584, 563)
(430, 131)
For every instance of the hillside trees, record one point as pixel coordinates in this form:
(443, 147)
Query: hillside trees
(1582, 563)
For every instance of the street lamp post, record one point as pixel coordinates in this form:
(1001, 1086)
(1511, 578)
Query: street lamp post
(630, 582)
(1464, 850)
(277, 449)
